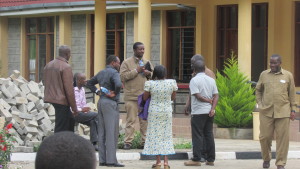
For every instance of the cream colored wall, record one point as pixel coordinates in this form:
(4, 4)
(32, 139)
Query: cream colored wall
(3, 47)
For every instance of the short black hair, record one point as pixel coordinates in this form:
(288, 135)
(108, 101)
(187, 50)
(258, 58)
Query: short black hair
(111, 58)
(65, 150)
(136, 44)
(159, 72)
(199, 66)
(276, 56)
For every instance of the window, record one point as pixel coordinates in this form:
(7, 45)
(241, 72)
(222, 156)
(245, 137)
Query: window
(39, 45)
(227, 33)
(259, 39)
(181, 44)
(297, 44)
(114, 37)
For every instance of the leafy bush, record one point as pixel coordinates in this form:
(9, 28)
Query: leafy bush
(136, 142)
(186, 145)
(6, 145)
(237, 99)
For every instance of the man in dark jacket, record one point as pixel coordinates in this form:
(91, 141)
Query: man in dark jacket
(58, 81)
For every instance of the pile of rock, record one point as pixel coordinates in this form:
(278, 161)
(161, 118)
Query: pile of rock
(21, 103)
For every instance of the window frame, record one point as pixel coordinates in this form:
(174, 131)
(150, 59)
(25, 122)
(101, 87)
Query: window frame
(48, 33)
(297, 47)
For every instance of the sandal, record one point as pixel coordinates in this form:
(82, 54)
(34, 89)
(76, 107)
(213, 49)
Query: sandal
(166, 167)
(155, 166)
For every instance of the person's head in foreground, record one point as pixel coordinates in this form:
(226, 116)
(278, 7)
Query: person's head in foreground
(65, 150)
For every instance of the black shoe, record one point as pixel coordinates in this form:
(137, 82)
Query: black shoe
(127, 147)
(95, 146)
(141, 147)
(202, 160)
(102, 164)
(115, 165)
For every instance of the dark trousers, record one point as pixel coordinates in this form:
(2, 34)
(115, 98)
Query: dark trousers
(64, 120)
(202, 129)
(90, 119)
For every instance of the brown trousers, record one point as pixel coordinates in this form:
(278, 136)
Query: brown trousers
(280, 126)
(132, 116)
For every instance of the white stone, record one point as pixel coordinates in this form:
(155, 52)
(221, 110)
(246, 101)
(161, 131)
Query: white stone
(2, 122)
(31, 130)
(24, 88)
(5, 92)
(21, 100)
(52, 118)
(30, 106)
(26, 116)
(17, 118)
(22, 108)
(1, 95)
(4, 81)
(18, 82)
(4, 104)
(39, 104)
(32, 97)
(32, 123)
(12, 101)
(51, 111)
(34, 112)
(14, 90)
(5, 113)
(14, 108)
(20, 131)
(28, 137)
(34, 88)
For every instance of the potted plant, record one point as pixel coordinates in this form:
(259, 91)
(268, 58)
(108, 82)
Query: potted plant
(6, 145)
(236, 102)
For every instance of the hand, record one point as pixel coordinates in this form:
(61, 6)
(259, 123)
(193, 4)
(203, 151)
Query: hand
(86, 109)
(293, 116)
(187, 110)
(111, 94)
(75, 113)
(140, 69)
(147, 72)
(212, 113)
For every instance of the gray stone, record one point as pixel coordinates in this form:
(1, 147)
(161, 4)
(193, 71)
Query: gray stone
(4, 104)
(28, 150)
(41, 115)
(18, 82)
(34, 88)
(16, 125)
(34, 112)
(24, 88)
(1, 95)
(5, 92)
(22, 108)
(5, 113)
(33, 143)
(11, 101)
(32, 97)
(4, 81)
(30, 106)
(19, 148)
(52, 118)
(31, 130)
(14, 108)
(28, 137)
(31, 123)
(46, 121)
(26, 116)
(20, 131)
(47, 105)
(39, 104)
(17, 118)
(51, 111)
(14, 90)
(21, 100)
(16, 113)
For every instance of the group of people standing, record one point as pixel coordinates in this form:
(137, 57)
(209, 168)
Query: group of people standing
(156, 131)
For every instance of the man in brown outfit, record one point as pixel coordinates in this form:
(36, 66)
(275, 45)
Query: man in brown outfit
(275, 96)
(58, 81)
(134, 75)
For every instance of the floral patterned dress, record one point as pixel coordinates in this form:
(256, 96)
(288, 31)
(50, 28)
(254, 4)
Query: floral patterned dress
(159, 139)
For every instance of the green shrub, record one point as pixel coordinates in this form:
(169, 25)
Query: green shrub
(237, 99)
(186, 145)
(136, 142)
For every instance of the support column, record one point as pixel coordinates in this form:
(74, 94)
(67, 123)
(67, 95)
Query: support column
(3, 47)
(144, 26)
(65, 29)
(244, 36)
(100, 35)
(198, 27)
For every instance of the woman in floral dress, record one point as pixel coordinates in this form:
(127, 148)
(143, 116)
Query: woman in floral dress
(159, 139)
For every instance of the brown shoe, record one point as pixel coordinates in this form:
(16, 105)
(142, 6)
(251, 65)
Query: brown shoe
(280, 167)
(192, 163)
(210, 163)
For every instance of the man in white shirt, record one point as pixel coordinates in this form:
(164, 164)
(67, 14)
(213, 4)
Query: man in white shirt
(204, 98)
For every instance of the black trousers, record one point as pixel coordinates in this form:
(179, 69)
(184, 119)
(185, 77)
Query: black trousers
(64, 120)
(202, 129)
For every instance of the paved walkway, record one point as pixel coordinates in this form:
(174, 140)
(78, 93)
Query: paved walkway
(225, 149)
